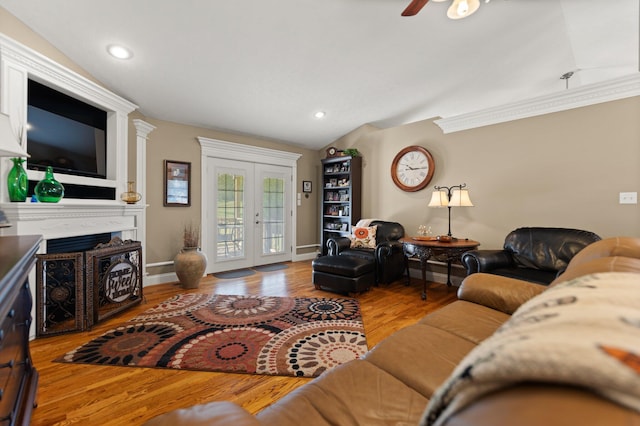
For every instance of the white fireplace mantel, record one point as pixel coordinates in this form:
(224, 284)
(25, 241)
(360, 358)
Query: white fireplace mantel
(55, 220)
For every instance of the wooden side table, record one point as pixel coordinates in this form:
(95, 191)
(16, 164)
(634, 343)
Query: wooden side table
(424, 249)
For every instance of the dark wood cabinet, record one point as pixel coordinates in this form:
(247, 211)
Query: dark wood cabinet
(341, 197)
(18, 377)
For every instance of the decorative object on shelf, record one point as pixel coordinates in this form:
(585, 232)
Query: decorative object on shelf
(49, 190)
(17, 181)
(450, 196)
(190, 263)
(332, 151)
(131, 196)
(352, 152)
(9, 147)
(412, 168)
(424, 231)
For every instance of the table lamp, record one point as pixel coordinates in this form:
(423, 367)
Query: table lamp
(450, 196)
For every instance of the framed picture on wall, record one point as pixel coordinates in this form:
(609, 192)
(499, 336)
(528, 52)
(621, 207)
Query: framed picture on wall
(177, 183)
(306, 186)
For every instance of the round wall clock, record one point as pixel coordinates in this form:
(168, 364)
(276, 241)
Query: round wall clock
(412, 168)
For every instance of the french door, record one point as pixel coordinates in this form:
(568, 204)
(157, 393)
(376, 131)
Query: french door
(249, 217)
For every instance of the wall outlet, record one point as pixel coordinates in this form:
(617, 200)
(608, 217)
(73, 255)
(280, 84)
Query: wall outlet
(628, 198)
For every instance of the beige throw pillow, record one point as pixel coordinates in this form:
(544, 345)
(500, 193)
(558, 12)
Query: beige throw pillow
(364, 237)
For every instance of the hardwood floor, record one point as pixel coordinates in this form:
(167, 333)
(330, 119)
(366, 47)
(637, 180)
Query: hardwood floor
(94, 395)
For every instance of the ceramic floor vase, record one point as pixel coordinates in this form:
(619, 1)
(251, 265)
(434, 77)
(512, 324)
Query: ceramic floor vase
(190, 264)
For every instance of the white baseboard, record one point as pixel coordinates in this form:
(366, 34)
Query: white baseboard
(156, 279)
(306, 256)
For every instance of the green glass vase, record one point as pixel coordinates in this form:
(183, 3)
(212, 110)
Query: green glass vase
(49, 190)
(17, 181)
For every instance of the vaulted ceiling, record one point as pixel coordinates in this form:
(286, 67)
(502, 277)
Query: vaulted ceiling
(264, 67)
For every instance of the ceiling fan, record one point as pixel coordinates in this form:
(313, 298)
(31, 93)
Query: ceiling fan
(458, 9)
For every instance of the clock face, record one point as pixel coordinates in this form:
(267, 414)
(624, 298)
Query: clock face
(412, 168)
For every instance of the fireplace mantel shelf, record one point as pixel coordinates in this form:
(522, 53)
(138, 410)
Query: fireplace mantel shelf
(61, 220)
(41, 211)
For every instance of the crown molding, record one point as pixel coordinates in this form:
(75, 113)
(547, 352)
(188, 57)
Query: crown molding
(611, 90)
(241, 152)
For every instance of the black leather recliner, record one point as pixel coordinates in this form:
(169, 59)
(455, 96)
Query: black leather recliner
(388, 256)
(536, 254)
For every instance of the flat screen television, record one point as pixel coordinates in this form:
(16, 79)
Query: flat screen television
(65, 133)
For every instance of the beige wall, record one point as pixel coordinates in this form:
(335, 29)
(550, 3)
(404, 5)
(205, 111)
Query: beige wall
(564, 169)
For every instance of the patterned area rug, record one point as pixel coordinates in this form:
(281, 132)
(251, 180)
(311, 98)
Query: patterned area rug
(242, 334)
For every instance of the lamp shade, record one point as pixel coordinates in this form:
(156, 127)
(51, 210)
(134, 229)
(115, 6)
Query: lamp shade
(462, 8)
(9, 143)
(460, 198)
(439, 199)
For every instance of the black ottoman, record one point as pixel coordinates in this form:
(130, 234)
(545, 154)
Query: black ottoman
(343, 274)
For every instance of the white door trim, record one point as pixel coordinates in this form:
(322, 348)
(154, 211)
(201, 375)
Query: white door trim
(215, 148)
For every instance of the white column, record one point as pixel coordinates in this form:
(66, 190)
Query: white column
(142, 132)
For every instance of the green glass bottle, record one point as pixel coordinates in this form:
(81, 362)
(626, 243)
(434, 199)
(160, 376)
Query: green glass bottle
(49, 190)
(17, 181)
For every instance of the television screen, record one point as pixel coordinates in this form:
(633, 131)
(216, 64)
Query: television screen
(65, 133)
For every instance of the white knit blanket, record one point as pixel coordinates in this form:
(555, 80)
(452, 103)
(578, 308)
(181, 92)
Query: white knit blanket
(364, 222)
(585, 332)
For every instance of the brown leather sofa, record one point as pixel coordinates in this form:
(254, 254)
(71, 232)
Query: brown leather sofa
(393, 383)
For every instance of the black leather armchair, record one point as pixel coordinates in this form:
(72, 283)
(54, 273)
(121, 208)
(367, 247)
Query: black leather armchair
(387, 256)
(537, 254)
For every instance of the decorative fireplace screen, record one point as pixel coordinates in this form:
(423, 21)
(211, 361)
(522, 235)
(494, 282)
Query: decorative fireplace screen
(77, 290)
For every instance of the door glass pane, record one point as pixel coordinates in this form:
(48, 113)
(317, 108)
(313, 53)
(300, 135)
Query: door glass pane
(230, 209)
(272, 215)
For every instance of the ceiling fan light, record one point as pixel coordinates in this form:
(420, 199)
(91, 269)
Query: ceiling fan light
(462, 8)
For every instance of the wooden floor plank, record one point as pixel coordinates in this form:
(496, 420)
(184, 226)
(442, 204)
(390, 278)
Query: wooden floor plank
(76, 394)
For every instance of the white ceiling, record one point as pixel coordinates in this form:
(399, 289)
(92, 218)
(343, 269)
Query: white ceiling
(264, 67)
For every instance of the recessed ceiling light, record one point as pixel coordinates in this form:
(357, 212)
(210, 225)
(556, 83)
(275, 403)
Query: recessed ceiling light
(320, 114)
(119, 52)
